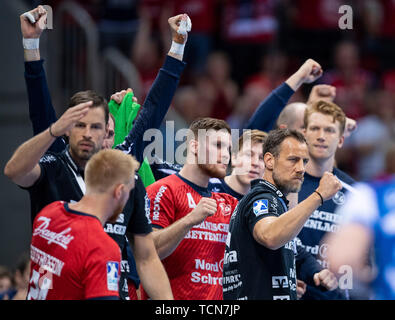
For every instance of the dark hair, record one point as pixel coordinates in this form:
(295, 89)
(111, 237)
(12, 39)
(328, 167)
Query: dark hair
(276, 137)
(90, 95)
(207, 124)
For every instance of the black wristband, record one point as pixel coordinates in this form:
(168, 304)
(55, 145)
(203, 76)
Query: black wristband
(50, 132)
(322, 199)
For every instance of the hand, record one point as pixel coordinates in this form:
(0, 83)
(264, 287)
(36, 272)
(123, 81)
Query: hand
(307, 73)
(351, 125)
(326, 279)
(118, 96)
(205, 208)
(322, 92)
(34, 30)
(310, 71)
(329, 185)
(66, 122)
(300, 288)
(174, 23)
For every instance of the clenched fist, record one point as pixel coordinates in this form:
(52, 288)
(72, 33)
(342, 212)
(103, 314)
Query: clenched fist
(322, 92)
(205, 208)
(329, 186)
(31, 30)
(175, 23)
(326, 279)
(310, 71)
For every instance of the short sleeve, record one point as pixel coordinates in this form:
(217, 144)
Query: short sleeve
(139, 222)
(48, 164)
(102, 271)
(162, 205)
(261, 207)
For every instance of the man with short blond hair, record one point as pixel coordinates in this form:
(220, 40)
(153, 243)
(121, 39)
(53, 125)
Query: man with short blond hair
(72, 258)
(324, 123)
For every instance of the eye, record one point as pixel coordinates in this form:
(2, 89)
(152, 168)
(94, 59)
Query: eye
(96, 126)
(80, 125)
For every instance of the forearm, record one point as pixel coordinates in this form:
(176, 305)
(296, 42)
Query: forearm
(155, 106)
(166, 240)
(154, 279)
(264, 118)
(150, 269)
(41, 111)
(32, 55)
(27, 157)
(287, 226)
(295, 81)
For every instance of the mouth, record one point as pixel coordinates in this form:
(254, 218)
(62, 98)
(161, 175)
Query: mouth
(253, 173)
(85, 145)
(320, 146)
(299, 179)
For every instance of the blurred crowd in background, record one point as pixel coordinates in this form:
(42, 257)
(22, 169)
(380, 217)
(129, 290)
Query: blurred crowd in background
(240, 50)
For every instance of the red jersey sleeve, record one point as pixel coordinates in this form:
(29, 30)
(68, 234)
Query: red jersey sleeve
(162, 204)
(102, 269)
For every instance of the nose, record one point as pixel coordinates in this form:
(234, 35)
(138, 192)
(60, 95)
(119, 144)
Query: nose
(321, 135)
(87, 132)
(300, 167)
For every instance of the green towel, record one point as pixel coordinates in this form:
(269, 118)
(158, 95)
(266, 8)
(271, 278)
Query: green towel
(124, 115)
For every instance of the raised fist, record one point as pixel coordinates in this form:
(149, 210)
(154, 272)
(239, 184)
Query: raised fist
(180, 25)
(322, 92)
(310, 71)
(329, 185)
(34, 29)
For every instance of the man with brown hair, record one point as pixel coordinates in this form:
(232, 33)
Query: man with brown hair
(190, 222)
(260, 252)
(324, 123)
(60, 176)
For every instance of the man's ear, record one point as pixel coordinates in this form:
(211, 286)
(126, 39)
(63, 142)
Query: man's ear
(107, 129)
(341, 141)
(268, 158)
(118, 191)
(194, 146)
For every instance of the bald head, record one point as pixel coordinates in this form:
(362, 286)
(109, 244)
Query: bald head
(292, 116)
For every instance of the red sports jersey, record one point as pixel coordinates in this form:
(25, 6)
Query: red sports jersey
(195, 267)
(71, 256)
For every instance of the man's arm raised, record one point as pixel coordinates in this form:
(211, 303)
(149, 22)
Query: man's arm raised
(31, 32)
(265, 116)
(159, 97)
